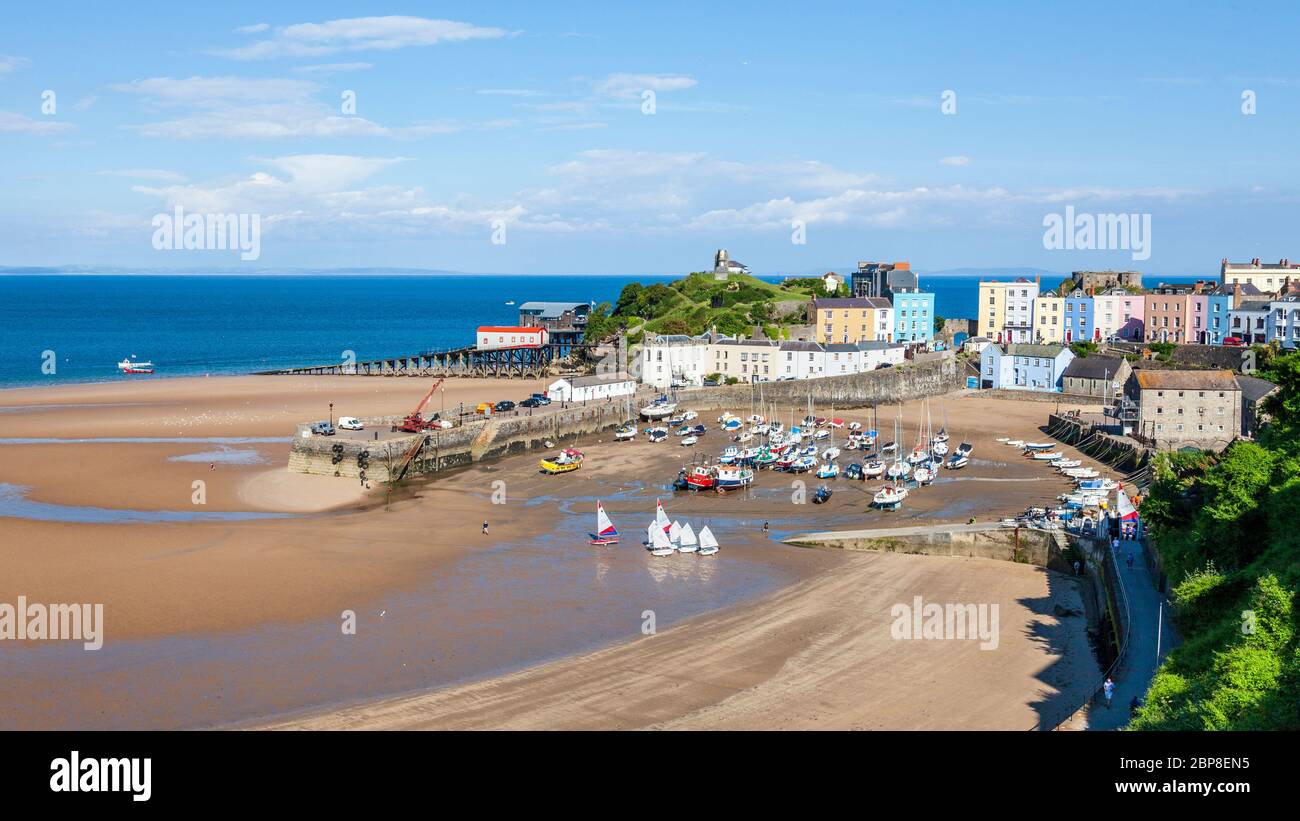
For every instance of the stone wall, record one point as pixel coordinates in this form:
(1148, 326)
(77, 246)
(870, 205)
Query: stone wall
(1043, 548)
(474, 441)
(911, 380)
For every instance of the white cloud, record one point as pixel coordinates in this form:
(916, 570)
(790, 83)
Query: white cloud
(19, 124)
(958, 161)
(631, 86)
(360, 34)
(143, 174)
(8, 64)
(216, 91)
(331, 68)
(85, 103)
(253, 29)
(261, 109)
(510, 92)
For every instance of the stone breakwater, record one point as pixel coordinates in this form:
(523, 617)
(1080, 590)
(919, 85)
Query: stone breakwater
(485, 439)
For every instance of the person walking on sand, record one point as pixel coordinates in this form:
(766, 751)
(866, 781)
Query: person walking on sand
(1109, 689)
(485, 527)
(764, 527)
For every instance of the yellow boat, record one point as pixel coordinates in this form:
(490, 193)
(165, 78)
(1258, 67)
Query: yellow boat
(568, 460)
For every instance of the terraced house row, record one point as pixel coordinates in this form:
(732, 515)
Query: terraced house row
(1250, 303)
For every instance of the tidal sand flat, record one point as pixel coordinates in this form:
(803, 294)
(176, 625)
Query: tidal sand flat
(234, 622)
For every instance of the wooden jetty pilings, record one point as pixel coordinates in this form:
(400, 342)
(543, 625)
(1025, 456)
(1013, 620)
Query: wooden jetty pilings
(520, 363)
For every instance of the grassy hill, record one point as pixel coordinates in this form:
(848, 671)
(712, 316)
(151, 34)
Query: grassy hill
(697, 302)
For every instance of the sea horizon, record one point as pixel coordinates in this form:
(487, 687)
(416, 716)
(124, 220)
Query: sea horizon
(223, 324)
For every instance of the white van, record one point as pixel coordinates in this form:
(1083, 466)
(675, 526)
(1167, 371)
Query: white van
(350, 423)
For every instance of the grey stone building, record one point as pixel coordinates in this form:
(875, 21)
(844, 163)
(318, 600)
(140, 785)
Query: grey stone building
(1175, 409)
(1099, 376)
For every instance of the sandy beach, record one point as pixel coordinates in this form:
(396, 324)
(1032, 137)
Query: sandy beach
(246, 590)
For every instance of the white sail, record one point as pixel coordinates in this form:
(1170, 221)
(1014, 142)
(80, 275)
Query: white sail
(660, 517)
(687, 536)
(659, 540)
(674, 533)
(604, 527)
(706, 538)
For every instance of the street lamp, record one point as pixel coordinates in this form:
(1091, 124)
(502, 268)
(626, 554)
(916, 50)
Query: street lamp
(331, 414)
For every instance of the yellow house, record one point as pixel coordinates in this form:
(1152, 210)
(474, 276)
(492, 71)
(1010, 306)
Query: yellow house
(992, 308)
(851, 320)
(1049, 319)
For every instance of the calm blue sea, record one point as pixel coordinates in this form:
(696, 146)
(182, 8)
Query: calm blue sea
(190, 325)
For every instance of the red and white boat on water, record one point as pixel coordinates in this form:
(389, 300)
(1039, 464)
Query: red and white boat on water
(702, 477)
(132, 366)
(606, 533)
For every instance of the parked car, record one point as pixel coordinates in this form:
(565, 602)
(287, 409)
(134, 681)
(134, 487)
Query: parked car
(322, 429)
(350, 423)
(542, 399)
(710, 383)
(504, 405)
(484, 408)
(530, 402)
(1234, 341)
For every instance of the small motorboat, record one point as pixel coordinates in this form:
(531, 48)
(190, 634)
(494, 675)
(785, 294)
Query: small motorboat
(855, 426)
(888, 448)
(822, 495)
(942, 435)
(837, 423)
(731, 477)
(854, 471)
(701, 477)
(689, 440)
(822, 433)
(898, 470)
(939, 448)
(873, 469)
(957, 462)
(566, 461)
(729, 454)
(656, 434)
(1047, 455)
(1061, 464)
(132, 366)
(1039, 445)
(889, 497)
(828, 470)
(689, 415)
(660, 408)
(626, 432)
(831, 454)
(918, 456)
(1016, 443)
(803, 464)
(923, 475)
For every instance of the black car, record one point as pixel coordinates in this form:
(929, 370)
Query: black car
(504, 405)
(710, 383)
(542, 399)
(530, 402)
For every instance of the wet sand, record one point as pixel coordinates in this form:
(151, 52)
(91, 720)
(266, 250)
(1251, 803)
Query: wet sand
(210, 623)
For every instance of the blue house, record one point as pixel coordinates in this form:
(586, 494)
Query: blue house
(1020, 366)
(1217, 305)
(913, 316)
(1079, 321)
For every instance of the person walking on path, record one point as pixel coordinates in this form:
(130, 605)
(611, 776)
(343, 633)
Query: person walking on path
(1109, 689)
(1114, 545)
(485, 527)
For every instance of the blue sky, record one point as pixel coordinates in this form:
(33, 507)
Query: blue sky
(531, 114)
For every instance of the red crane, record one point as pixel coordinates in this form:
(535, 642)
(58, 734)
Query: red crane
(415, 422)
